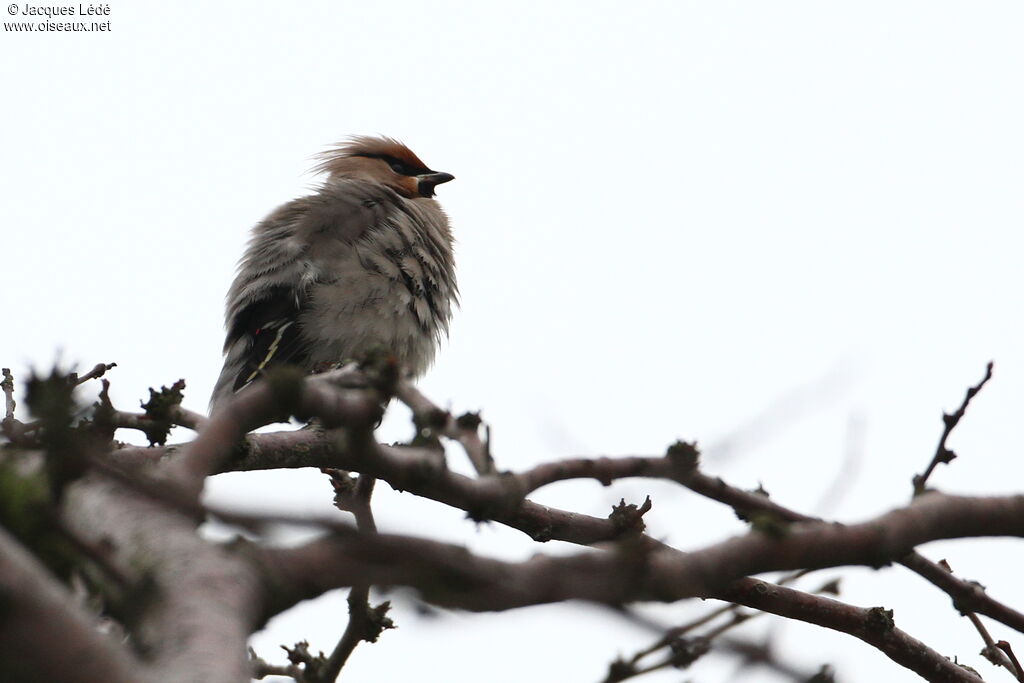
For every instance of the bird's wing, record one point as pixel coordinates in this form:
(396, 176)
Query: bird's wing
(269, 329)
(291, 252)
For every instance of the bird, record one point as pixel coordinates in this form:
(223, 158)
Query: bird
(363, 263)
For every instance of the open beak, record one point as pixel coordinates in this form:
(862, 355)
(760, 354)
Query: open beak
(428, 181)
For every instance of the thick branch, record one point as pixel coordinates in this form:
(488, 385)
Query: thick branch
(631, 574)
(450, 576)
(197, 603)
(501, 498)
(874, 626)
(416, 472)
(262, 403)
(34, 607)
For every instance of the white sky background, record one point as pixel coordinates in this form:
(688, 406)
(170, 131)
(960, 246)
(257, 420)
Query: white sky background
(672, 219)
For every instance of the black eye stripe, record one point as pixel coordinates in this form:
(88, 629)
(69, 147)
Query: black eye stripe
(396, 164)
(399, 166)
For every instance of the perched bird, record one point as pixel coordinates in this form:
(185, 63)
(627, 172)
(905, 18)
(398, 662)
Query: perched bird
(363, 262)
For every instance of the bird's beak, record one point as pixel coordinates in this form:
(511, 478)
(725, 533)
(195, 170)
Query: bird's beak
(428, 181)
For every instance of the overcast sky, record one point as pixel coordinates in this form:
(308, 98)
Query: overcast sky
(788, 230)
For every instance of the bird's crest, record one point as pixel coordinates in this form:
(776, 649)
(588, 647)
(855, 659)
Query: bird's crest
(365, 146)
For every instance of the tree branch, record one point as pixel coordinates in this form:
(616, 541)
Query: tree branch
(637, 568)
(197, 602)
(33, 607)
(264, 402)
(464, 429)
(450, 576)
(949, 420)
(875, 626)
(363, 624)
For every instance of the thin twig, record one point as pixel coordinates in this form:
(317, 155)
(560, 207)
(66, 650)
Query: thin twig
(98, 370)
(844, 478)
(361, 625)
(16, 431)
(991, 652)
(949, 420)
(672, 637)
(261, 669)
(8, 388)
(464, 429)
(762, 654)
(676, 631)
(1008, 651)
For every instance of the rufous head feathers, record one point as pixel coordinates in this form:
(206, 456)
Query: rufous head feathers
(383, 160)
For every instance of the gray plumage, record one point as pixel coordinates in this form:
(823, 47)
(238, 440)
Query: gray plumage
(366, 261)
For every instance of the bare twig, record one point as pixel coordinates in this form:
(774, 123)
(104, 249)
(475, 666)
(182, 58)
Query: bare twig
(949, 420)
(16, 431)
(763, 654)
(97, 370)
(672, 637)
(846, 475)
(874, 626)
(364, 622)
(682, 651)
(782, 413)
(1008, 651)
(464, 429)
(990, 651)
(676, 631)
(8, 388)
(967, 596)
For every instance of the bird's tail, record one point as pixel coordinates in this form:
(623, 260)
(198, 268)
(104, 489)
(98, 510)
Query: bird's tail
(234, 363)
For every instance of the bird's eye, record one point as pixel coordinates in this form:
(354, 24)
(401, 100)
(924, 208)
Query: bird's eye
(399, 167)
